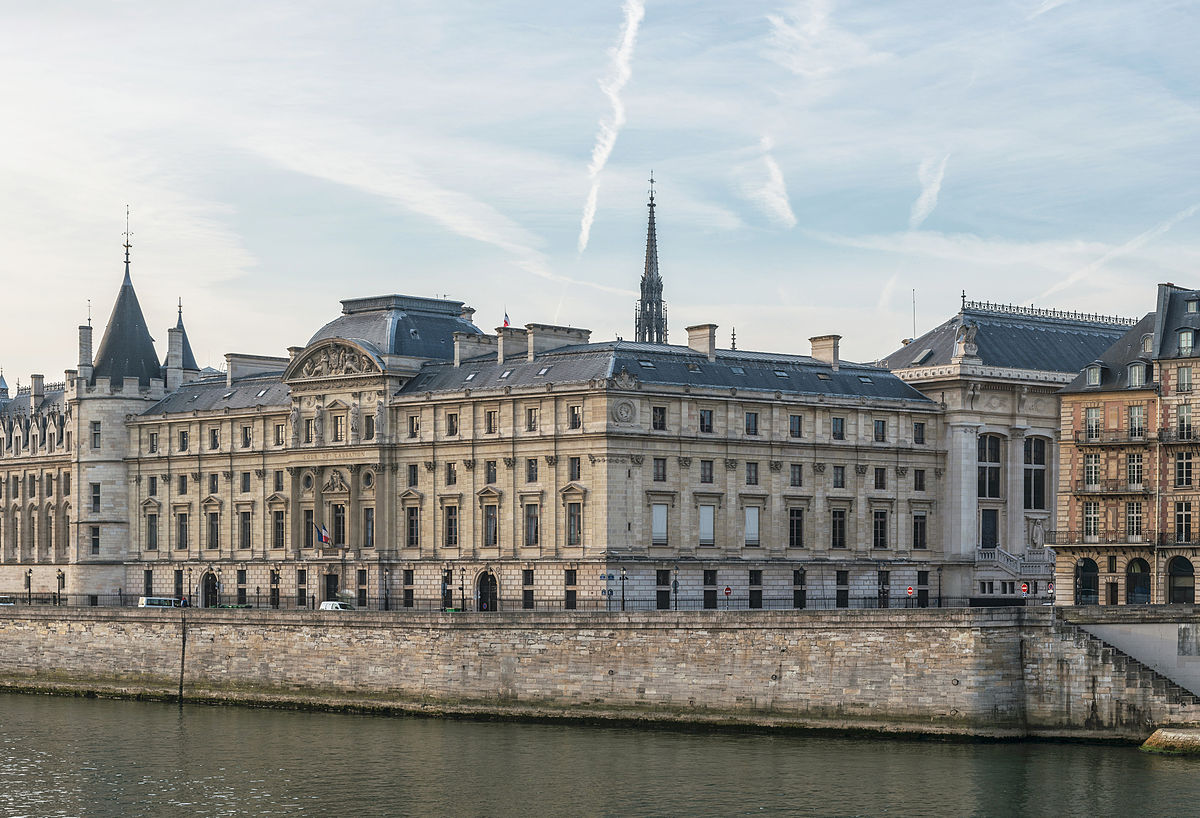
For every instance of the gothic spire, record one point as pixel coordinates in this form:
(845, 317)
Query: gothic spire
(189, 359)
(650, 318)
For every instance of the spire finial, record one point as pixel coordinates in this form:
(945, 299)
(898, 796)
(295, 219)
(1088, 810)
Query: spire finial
(964, 299)
(652, 188)
(89, 312)
(127, 235)
(181, 307)
(733, 340)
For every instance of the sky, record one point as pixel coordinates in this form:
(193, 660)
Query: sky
(821, 166)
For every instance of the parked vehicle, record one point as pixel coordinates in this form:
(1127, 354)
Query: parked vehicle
(7, 600)
(159, 602)
(336, 606)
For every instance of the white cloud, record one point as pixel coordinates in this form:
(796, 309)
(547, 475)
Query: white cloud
(764, 185)
(806, 41)
(930, 174)
(1047, 5)
(606, 139)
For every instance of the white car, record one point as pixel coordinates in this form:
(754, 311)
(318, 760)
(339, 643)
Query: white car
(7, 600)
(336, 606)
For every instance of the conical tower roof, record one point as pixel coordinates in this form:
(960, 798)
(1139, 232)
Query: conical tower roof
(189, 360)
(127, 350)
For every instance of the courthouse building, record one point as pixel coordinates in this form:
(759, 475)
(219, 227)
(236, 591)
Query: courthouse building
(402, 457)
(1127, 491)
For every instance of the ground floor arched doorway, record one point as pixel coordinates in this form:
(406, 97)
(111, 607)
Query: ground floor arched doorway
(1137, 582)
(1181, 581)
(487, 592)
(209, 591)
(1087, 582)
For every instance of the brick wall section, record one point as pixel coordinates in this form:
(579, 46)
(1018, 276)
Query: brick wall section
(1001, 672)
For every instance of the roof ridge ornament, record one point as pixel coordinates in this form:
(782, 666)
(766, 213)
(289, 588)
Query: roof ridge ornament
(127, 244)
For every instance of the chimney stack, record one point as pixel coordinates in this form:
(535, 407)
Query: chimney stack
(85, 352)
(825, 348)
(37, 389)
(174, 358)
(703, 338)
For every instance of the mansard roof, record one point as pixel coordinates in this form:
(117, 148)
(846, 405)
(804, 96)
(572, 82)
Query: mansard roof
(1114, 362)
(208, 393)
(1172, 316)
(127, 350)
(401, 325)
(666, 364)
(52, 398)
(1016, 338)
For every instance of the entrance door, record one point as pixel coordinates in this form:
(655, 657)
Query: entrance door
(1137, 582)
(1181, 581)
(989, 528)
(331, 588)
(1087, 582)
(1112, 594)
(208, 593)
(487, 591)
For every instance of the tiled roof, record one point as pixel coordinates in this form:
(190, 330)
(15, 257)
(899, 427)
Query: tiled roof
(400, 325)
(127, 350)
(1114, 361)
(206, 394)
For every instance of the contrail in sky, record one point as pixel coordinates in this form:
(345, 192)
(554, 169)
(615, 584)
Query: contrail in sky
(930, 175)
(606, 138)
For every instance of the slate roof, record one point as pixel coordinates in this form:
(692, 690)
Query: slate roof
(127, 350)
(668, 364)
(1016, 338)
(204, 394)
(1114, 361)
(20, 404)
(1173, 316)
(400, 325)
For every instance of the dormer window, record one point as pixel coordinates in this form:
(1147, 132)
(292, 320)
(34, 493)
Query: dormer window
(1093, 376)
(1193, 305)
(1147, 344)
(1137, 376)
(1186, 339)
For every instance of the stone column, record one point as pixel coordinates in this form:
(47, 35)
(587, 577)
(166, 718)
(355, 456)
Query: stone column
(1013, 539)
(961, 501)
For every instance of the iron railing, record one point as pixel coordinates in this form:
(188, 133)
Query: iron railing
(1097, 437)
(1110, 486)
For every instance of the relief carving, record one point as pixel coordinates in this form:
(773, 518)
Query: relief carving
(730, 463)
(637, 459)
(337, 359)
(685, 462)
(776, 465)
(860, 468)
(819, 468)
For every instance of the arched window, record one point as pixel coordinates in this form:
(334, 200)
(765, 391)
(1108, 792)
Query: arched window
(1147, 344)
(1137, 582)
(1087, 582)
(1035, 472)
(1181, 581)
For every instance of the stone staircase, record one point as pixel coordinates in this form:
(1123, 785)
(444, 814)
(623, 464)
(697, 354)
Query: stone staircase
(1137, 675)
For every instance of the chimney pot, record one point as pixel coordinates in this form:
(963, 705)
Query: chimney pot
(825, 348)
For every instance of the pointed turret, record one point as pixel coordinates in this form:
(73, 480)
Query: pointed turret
(189, 360)
(650, 318)
(126, 350)
(3, 386)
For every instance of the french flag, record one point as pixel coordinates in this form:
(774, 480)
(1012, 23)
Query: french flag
(322, 534)
(506, 318)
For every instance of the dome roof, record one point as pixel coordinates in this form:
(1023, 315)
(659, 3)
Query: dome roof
(401, 325)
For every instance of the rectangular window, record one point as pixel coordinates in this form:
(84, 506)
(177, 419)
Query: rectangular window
(182, 484)
(95, 487)
(451, 424)
(837, 528)
(989, 466)
(1183, 415)
(755, 589)
(1133, 468)
(1183, 469)
(491, 421)
(246, 437)
(1091, 469)
(368, 532)
(339, 428)
(183, 440)
(310, 528)
(212, 483)
(658, 418)
(279, 427)
(95, 539)
(181, 530)
(243, 529)
(1133, 520)
(214, 530)
(279, 480)
(752, 423)
(451, 526)
(532, 520)
(95, 426)
(880, 431)
(838, 428)
(1091, 519)
(414, 426)
(573, 468)
(527, 601)
(879, 529)
(338, 534)
(214, 438)
(309, 430)
(752, 515)
(1092, 422)
(795, 426)
(1183, 379)
(531, 470)
(839, 477)
(918, 479)
(1137, 421)
(919, 432)
(708, 517)
(574, 524)
(842, 599)
(658, 524)
(451, 474)
(662, 594)
(531, 419)
(799, 589)
(153, 447)
(660, 469)
(491, 527)
(151, 532)
(795, 528)
(1183, 521)
(706, 471)
(412, 527)
(796, 475)
(751, 474)
(569, 591)
(575, 417)
(1035, 473)
(148, 582)
(920, 530)
(706, 421)
(245, 482)
(277, 529)
(489, 472)
(412, 475)
(880, 478)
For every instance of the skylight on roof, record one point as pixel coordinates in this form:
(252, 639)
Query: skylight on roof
(824, 376)
(469, 377)
(545, 369)
(261, 392)
(779, 373)
(737, 370)
(647, 364)
(505, 373)
(693, 367)
(864, 378)
(227, 396)
(922, 357)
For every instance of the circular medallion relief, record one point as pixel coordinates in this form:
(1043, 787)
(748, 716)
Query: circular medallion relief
(368, 480)
(623, 411)
(308, 481)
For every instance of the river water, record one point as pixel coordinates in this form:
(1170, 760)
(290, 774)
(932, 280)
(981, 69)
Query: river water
(79, 757)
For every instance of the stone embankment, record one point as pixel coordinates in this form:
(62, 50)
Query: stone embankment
(1003, 672)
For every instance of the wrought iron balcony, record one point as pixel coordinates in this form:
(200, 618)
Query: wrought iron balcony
(1112, 437)
(1180, 434)
(1110, 486)
(1101, 536)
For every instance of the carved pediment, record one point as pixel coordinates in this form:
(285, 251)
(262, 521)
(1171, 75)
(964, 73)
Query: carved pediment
(335, 483)
(572, 492)
(411, 497)
(211, 503)
(277, 500)
(151, 506)
(488, 494)
(334, 358)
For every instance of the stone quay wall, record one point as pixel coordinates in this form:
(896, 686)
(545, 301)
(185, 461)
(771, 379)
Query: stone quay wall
(1003, 672)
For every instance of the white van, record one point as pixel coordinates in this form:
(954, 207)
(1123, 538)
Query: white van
(336, 606)
(159, 602)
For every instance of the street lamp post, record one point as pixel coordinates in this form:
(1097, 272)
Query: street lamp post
(462, 586)
(29, 586)
(62, 583)
(191, 590)
(622, 588)
(387, 582)
(675, 587)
